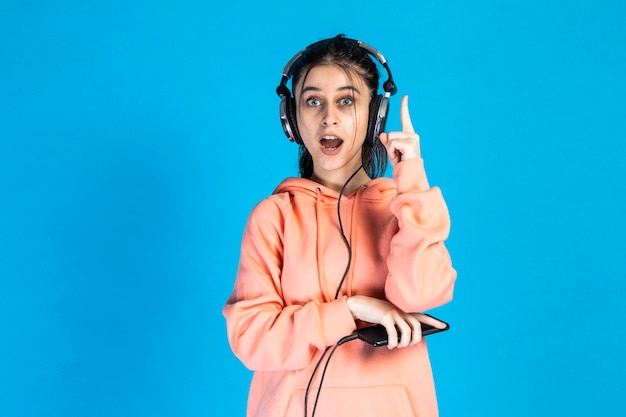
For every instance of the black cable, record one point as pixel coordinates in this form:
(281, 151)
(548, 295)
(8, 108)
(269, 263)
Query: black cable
(343, 278)
(319, 389)
(308, 386)
(343, 235)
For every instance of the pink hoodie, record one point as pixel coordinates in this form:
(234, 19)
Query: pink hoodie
(282, 313)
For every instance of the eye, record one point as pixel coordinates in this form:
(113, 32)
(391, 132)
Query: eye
(313, 102)
(346, 101)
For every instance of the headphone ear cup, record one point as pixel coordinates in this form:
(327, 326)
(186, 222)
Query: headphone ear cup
(379, 107)
(291, 114)
(288, 119)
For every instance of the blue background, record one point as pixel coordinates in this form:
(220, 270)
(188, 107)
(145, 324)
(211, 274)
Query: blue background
(135, 137)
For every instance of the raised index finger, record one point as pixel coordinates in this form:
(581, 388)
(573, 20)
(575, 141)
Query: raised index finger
(405, 118)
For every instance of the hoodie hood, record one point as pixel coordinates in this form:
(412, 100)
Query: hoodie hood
(375, 189)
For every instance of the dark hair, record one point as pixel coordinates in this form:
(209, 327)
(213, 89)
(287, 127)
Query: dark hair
(348, 55)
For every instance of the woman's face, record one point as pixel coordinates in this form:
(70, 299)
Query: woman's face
(332, 116)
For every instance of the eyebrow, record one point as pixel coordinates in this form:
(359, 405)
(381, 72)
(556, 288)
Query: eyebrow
(344, 88)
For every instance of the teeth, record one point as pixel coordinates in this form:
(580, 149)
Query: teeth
(331, 142)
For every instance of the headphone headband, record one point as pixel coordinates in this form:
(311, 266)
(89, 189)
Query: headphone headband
(389, 86)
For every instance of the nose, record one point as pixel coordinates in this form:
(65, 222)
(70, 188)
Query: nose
(331, 116)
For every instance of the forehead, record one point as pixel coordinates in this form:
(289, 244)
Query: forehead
(330, 77)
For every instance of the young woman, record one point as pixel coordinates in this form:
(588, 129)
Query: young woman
(341, 248)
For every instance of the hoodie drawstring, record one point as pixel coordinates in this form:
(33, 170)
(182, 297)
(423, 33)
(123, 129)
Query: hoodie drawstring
(319, 200)
(353, 238)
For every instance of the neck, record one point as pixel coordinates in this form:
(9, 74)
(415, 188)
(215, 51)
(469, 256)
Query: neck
(349, 182)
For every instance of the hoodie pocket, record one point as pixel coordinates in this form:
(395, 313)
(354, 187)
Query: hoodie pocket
(391, 400)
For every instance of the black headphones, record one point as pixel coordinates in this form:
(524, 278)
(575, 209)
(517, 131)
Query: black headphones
(379, 106)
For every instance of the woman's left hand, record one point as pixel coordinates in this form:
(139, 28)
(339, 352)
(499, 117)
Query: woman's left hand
(405, 144)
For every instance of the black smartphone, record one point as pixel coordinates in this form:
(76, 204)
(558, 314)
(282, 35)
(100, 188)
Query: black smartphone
(376, 335)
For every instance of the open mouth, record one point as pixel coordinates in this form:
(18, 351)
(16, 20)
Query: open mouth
(331, 142)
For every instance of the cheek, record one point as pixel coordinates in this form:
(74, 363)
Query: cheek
(306, 117)
(364, 119)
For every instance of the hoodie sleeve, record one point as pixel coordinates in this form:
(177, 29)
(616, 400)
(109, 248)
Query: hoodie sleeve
(421, 276)
(265, 332)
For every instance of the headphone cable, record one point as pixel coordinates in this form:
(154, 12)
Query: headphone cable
(308, 386)
(343, 234)
(345, 339)
(343, 278)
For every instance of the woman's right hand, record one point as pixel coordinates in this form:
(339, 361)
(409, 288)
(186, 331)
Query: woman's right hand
(376, 311)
